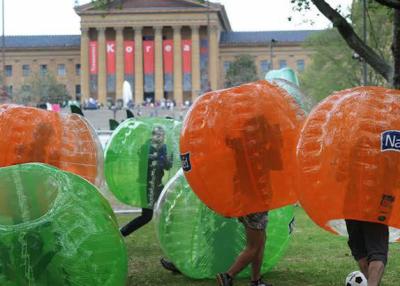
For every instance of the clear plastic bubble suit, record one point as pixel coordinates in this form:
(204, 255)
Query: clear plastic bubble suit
(286, 73)
(238, 148)
(56, 229)
(127, 155)
(66, 141)
(305, 102)
(349, 159)
(286, 78)
(202, 243)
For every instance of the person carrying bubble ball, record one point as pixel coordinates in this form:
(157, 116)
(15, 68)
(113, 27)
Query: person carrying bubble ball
(158, 162)
(368, 241)
(270, 142)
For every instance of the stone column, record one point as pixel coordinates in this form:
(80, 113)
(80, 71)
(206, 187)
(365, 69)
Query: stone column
(119, 50)
(213, 57)
(85, 90)
(138, 65)
(178, 93)
(101, 38)
(195, 62)
(159, 82)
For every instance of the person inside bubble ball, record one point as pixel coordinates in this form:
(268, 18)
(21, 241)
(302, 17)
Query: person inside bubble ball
(158, 162)
(368, 241)
(266, 142)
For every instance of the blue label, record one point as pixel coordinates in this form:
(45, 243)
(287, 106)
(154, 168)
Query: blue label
(185, 158)
(390, 140)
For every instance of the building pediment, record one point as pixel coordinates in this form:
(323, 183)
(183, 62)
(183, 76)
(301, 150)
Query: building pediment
(140, 5)
(159, 7)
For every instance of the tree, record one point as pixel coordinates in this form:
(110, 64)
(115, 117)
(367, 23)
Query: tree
(390, 71)
(41, 88)
(241, 70)
(100, 4)
(333, 62)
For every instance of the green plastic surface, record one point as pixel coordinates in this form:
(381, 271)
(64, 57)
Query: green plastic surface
(201, 243)
(56, 229)
(126, 158)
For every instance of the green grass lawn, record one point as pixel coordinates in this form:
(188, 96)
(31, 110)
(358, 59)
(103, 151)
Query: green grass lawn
(314, 257)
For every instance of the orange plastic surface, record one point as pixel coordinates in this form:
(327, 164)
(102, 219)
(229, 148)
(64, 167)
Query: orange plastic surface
(344, 172)
(238, 146)
(35, 135)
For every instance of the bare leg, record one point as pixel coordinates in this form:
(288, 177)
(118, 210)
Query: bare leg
(375, 272)
(363, 265)
(254, 239)
(257, 262)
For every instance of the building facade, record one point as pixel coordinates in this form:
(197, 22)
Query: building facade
(175, 49)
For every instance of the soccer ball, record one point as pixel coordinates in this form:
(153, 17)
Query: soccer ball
(356, 278)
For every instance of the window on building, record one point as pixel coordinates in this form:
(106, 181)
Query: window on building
(300, 65)
(9, 90)
(26, 88)
(282, 64)
(61, 70)
(264, 67)
(78, 69)
(8, 70)
(227, 64)
(78, 91)
(43, 70)
(26, 70)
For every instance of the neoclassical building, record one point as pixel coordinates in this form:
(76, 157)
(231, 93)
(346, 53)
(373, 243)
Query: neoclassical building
(174, 49)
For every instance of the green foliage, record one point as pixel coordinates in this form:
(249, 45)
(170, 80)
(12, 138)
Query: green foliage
(379, 26)
(242, 70)
(100, 4)
(333, 65)
(42, 88)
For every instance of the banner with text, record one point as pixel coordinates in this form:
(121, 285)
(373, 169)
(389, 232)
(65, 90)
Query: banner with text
(148, 55)
(129, 62)
(205, 85)
(110, 48)
(168, 62)
(187, 64)
(93, 67)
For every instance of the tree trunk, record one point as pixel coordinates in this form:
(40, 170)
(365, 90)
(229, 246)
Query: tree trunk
(396, 49)
(354, 41)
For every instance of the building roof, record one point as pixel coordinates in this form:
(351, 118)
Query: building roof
(56, 41)
(229, 38)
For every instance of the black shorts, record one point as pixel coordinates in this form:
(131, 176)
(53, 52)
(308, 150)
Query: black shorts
(368, 240)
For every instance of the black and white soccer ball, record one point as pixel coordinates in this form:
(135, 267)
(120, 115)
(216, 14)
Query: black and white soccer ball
(356, 278)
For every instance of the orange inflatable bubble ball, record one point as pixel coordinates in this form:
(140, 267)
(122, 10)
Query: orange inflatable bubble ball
(238, 148)
(66, 141)
(349, 159)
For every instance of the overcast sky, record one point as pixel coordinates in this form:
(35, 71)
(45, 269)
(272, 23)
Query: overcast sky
(57, 17)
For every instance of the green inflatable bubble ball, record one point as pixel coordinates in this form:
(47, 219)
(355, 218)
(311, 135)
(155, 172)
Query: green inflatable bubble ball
(202, 243)
(140, 157)
(56, 229)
